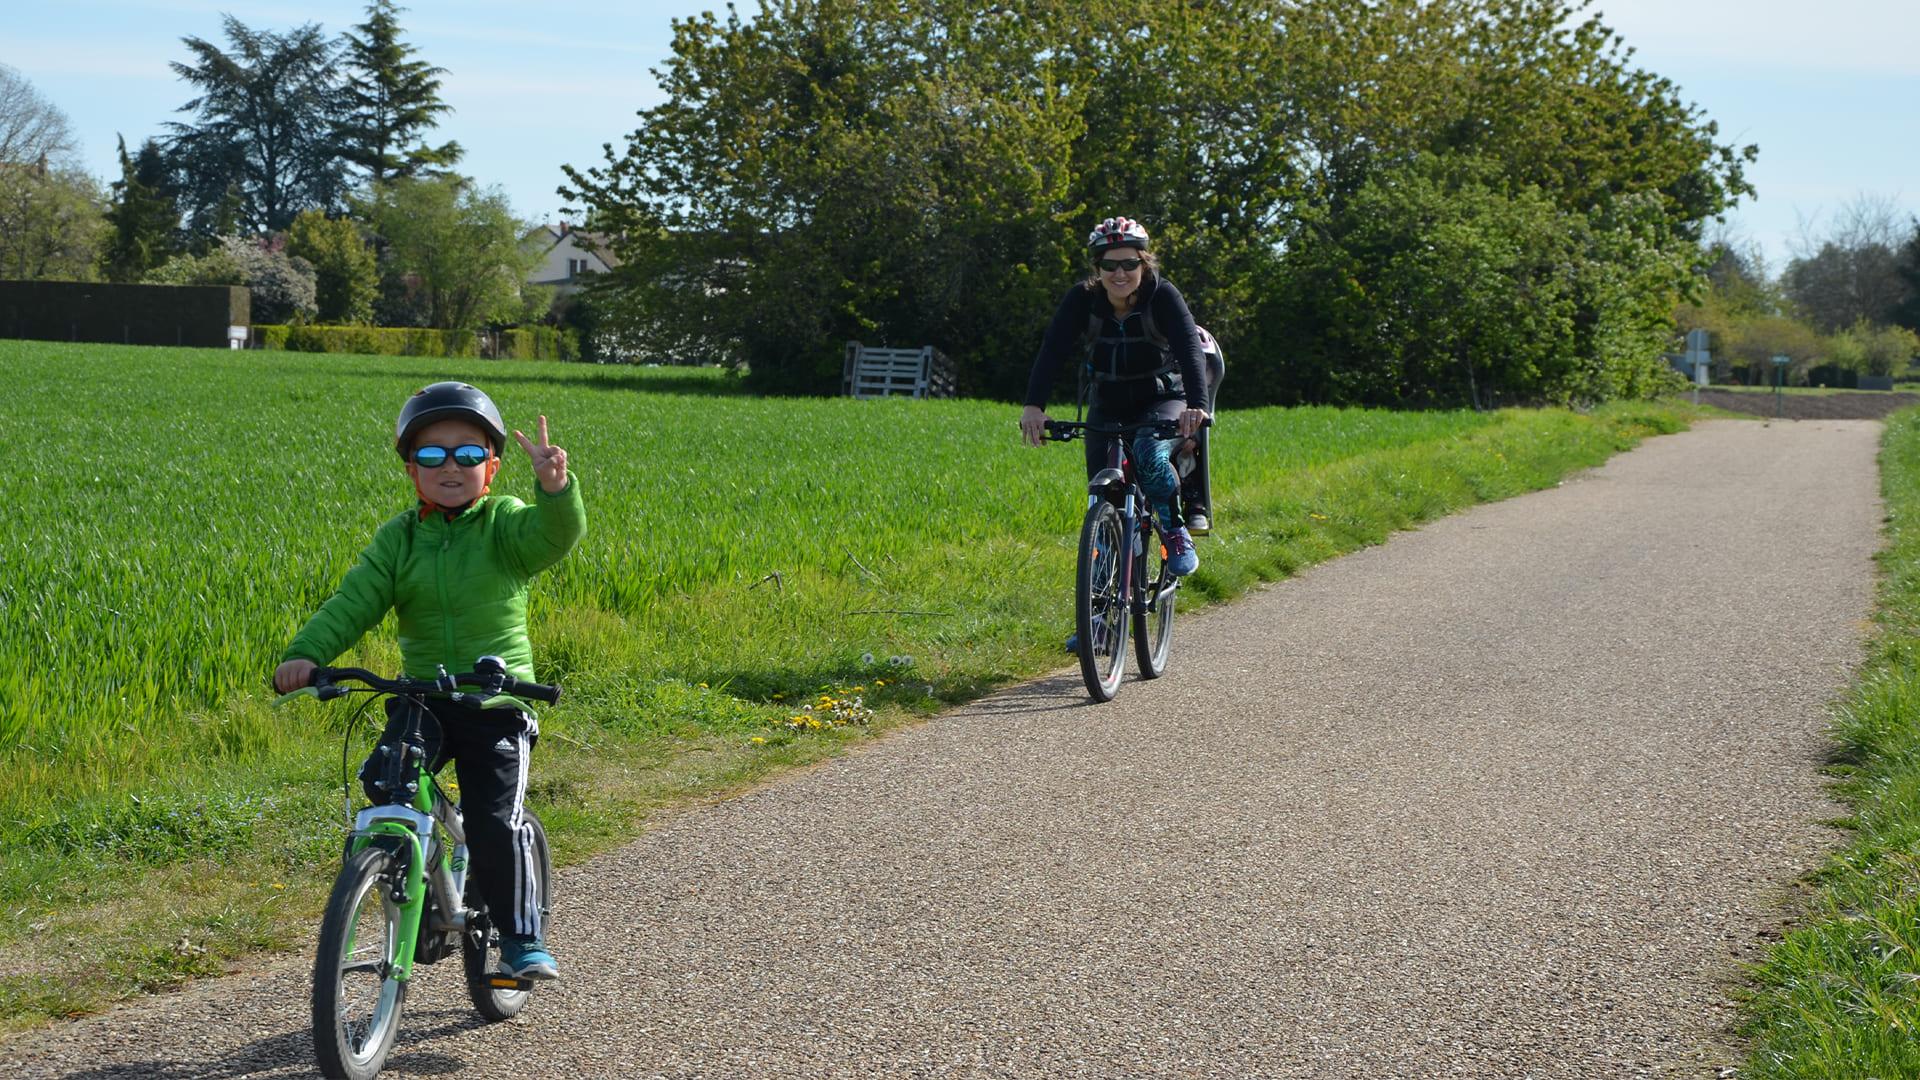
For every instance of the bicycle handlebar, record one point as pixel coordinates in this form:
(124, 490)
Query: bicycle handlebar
(489, 676)
(1069, 430)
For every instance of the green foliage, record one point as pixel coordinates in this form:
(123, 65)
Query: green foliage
(1871, 350)
(281, 285)
(1424, 288)
(51, 224)
(144, 219)
(828, 172)
(525, 343)
(455, 245)
(1840, 995)
(346, 271)
(924, 175)
(264, 131)
(391, 98)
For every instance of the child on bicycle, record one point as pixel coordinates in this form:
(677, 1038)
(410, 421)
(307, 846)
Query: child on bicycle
(455, 570)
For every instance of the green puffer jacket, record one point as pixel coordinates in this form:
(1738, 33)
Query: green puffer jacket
(459, 586)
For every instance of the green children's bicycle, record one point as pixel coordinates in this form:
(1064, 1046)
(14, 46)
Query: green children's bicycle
(402, 896)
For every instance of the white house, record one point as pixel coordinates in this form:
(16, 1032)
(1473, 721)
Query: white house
(565, 258)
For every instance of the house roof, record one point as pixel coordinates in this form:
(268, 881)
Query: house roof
(600, 245)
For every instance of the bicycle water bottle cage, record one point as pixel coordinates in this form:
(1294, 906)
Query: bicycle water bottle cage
(1108, 482)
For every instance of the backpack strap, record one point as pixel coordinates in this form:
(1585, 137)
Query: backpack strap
(1095, 324)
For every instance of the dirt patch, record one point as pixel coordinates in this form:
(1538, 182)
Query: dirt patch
(1864, 405)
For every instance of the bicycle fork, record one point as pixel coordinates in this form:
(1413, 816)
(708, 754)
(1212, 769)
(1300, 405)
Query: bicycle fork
(430, 883)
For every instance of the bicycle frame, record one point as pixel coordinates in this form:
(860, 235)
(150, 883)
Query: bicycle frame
(1118, 483)
(413, 832)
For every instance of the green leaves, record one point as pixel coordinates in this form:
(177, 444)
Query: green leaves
(457, 246)
(924, 174)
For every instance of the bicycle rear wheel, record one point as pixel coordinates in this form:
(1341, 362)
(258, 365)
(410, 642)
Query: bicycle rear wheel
(480, 950)
(356, 998)
(1153, 630)
(1100, 600)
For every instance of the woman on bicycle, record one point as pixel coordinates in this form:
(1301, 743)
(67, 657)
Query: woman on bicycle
(1145, 363)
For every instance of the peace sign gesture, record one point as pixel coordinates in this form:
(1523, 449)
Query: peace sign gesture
(549, 461)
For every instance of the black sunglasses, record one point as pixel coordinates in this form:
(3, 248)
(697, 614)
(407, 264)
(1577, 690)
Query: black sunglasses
(1110, 265)
(432, 457)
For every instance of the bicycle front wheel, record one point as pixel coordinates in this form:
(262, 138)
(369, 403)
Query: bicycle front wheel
(356, 998)
(480, 950)
(1153, 630)
(1100, 600)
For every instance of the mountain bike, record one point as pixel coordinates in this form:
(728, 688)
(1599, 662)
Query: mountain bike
(1122, 579)
(402, 896)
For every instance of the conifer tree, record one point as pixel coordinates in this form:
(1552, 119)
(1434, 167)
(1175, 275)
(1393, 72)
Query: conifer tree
(144, 217)
(392, 99)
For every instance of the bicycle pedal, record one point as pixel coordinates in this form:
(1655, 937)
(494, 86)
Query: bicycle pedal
(502, 981)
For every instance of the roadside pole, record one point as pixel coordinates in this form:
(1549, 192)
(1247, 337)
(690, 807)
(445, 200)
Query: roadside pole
(1779, 381)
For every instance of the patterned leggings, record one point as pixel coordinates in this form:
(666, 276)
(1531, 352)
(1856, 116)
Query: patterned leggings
(1152, 458)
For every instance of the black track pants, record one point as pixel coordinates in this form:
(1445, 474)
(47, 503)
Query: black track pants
(490, 750)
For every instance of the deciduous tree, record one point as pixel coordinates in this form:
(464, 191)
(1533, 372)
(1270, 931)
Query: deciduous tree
(51, 223)
(346, 271)
(456, 245)
(926, 173)
(1851, 274)
(32, 129)
(832, 171)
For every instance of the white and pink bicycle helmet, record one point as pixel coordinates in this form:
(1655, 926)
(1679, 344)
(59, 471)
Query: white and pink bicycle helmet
(1117, 232)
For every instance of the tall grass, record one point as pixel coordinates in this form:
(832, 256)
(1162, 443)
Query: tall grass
(175, 515)
(1839, 996)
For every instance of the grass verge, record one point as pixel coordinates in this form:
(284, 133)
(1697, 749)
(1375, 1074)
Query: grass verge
(1839, 996)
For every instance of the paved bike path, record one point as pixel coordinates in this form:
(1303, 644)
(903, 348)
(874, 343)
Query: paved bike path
(1508, 796)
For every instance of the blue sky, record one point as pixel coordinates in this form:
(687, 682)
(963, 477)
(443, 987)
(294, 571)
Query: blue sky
(1830, 92)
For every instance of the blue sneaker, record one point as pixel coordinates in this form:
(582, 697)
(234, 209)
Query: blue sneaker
(1099, 632)
(526, 958)
(1181, 558)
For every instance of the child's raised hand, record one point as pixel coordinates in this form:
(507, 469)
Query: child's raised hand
(549, 461)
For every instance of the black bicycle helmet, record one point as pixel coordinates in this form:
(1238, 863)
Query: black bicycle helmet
(441, 401)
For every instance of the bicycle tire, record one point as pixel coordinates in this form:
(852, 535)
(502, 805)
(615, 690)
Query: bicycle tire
(356, 999)
(480, 951)
(1100, 600)
(1153, 630)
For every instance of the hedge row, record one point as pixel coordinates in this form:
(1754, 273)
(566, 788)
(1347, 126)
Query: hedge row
(536, 343)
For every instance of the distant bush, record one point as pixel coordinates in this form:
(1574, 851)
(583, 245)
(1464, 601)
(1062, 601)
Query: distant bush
(531, 343)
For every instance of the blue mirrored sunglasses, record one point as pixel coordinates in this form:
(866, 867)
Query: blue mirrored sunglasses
(432, 457)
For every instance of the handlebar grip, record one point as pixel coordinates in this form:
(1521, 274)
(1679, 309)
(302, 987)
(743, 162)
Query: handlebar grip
(536, 691)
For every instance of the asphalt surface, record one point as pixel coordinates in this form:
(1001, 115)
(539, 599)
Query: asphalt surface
(1509, 796)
